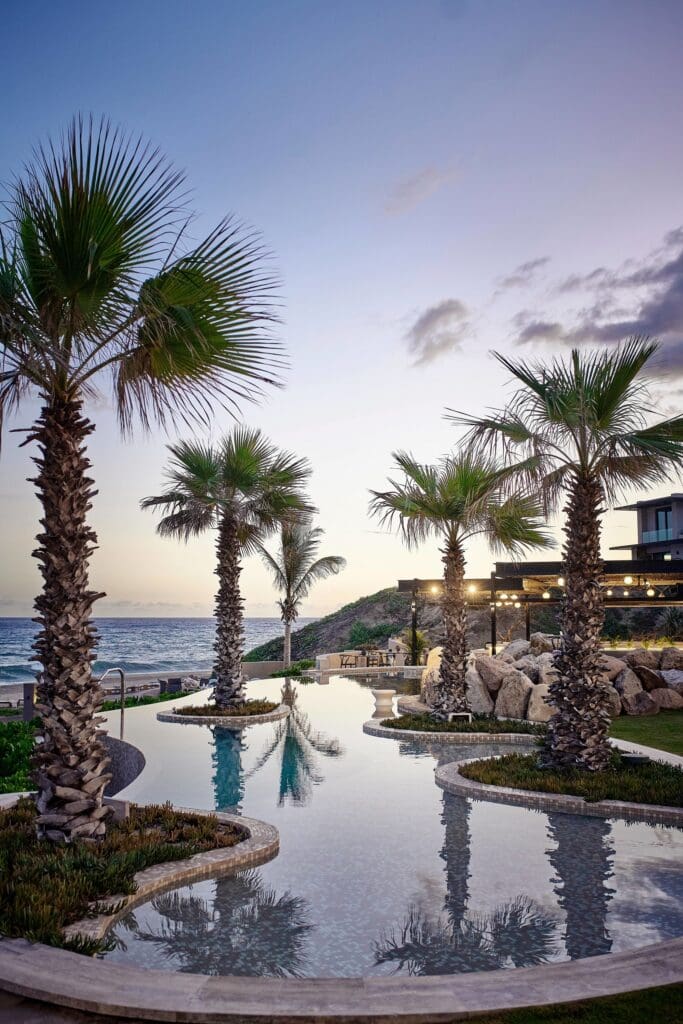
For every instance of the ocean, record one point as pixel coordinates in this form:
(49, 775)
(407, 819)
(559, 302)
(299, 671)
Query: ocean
(136, 645)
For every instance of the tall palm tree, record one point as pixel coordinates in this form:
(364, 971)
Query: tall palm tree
(244, 488)
(295, 569)
(101, 290)
(581, 427)
(457, 499)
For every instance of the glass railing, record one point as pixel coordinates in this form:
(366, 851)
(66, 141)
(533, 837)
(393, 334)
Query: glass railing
(652, 536)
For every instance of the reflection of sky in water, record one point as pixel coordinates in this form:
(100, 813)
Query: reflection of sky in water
(378, 869)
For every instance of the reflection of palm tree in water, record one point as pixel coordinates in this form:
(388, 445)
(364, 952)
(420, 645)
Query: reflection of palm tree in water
(517, 932)
(247, 929)
(582, 861)
(228, 777)
(298, 746)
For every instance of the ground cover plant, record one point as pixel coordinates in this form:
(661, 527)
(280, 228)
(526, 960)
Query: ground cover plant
(248, 707)
(134, 702)
(663, 731)
(16, 746)
(479, 723)
(46, 886)
(651, 783)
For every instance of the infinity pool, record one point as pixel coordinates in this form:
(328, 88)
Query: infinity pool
(380, 871)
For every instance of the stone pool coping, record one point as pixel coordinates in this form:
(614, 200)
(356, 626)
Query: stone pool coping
(373, 728)
(449, 778)
(229, 721)
(83, 983)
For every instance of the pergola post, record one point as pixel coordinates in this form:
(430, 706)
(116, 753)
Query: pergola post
(494, 626)
(527, 619)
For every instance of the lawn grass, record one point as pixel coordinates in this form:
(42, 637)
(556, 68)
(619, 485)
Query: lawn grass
(652, 783)
(653, 1006)
(663, 731)
(45, 886)
(247, 707)
(479, 723)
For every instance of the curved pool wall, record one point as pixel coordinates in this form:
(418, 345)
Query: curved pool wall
(381, 872)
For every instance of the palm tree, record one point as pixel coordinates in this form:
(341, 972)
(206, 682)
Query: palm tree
(101, 288)
(244, 488)
(295, 569)
(459, 498)
(580, 426)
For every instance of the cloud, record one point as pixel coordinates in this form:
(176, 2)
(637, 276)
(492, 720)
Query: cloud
(642, 297)
(408, 193)
(438, 330)
(524, 274)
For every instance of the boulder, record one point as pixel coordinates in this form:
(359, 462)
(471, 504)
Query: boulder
(541, 643)
(492, 670)
(478, 698)
(627, 683)
(639, 704)
(673, 679)
(672, 657)
(529, 666)
(539, 710)
(613, 701)
(517, 648)
(667, 700)
(513, 696)
(650, 678)
(649, 658)
(547, 673)
(611, 667)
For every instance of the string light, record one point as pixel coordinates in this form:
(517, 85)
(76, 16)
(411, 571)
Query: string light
(546, 595)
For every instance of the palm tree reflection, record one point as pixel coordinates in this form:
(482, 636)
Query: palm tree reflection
(247, 929)
(582, 860)
(517, 933)
(298, 747)
(228, 777)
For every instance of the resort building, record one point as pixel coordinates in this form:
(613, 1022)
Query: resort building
(660, 529)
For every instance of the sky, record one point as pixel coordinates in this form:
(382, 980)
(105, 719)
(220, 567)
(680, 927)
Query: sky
(435, 179)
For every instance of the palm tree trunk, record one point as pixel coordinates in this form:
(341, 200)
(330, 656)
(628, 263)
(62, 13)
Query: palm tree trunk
(288, 643)
(450, 692)
(578, 731)
(229, 686)
(70, 761)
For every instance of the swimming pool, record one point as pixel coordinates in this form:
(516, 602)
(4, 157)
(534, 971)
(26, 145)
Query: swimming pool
(379, 870)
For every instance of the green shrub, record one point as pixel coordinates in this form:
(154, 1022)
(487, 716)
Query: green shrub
(16, 747)
(652, 783)
(295, 669)
(361, 634)
(248, 707)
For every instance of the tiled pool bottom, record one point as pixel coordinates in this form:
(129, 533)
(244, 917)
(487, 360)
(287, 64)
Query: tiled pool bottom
(380, 871)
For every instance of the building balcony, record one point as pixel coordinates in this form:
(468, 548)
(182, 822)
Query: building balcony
(656, 536)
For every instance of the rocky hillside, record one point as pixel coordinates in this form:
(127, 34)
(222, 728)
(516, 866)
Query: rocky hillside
(387, 613)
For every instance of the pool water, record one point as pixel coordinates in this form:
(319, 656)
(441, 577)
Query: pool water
(379, 870)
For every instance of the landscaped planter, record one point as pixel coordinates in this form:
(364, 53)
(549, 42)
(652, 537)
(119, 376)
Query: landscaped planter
(229, 721)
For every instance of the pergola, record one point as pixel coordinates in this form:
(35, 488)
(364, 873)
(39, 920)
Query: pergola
(625, 583)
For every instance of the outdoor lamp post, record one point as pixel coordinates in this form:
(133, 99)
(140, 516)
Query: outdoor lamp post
(413, 625)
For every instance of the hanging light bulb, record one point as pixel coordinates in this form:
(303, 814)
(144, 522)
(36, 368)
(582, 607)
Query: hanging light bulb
(650, 591)
(560, 581)
(546, 595)
(626, 593)
(499, 604)
(503, 597)
(628, 580)
(517, 604)
(609, 592)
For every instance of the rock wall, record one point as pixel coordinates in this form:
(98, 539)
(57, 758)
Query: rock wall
(515, 683)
